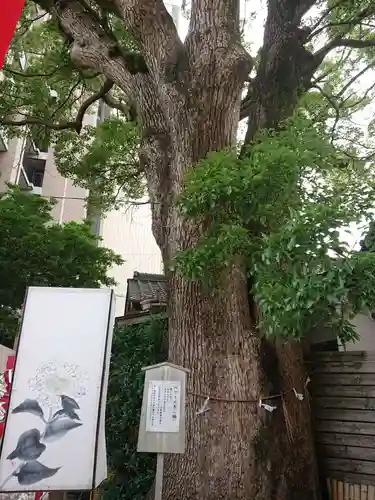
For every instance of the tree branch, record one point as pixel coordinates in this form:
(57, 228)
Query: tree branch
(350, 22)
(115, 104)
(355, 44)
(361, 100)
(66, 100)
(92, 47)
(65, 125)
(140, 203)
(153, 29)
(283, 58)
(343, 59)
(341, 42)
(27, 24)
(30, 75)
(354, 78)
(326, 13)
(334, 105)
(134, 60)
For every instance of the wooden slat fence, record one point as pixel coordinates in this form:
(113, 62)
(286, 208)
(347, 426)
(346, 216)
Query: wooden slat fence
(343, 396)
(340, 490)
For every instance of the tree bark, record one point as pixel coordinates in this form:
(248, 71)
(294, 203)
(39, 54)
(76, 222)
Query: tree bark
(236, 450)
(188, 103)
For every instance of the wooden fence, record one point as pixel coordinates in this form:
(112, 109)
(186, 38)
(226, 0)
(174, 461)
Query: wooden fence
(341, 490)
(343, 398)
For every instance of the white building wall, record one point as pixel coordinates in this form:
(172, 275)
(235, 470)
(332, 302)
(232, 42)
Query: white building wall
(365, 326)
(70, 199)
(128, 232)
(10, 162)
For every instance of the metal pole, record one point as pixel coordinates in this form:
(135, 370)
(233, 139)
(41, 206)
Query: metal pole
(159, 476)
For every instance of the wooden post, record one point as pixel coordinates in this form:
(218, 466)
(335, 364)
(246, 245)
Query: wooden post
(56, 495)
(159, 476)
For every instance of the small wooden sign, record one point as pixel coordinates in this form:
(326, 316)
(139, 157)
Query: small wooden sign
(162, 425)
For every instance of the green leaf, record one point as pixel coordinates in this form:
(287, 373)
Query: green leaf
(36, 251)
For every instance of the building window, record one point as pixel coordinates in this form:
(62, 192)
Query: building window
(34, 169)
(36, 177)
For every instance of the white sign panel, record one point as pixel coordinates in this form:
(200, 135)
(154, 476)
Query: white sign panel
(163, 406)
(54, 431)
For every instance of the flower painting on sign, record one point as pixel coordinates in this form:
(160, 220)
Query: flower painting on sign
(55, 391)
(54, 436)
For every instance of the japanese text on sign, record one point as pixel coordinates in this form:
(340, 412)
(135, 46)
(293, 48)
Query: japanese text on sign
(163, 406)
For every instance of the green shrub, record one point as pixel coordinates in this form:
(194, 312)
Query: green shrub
(130, 473)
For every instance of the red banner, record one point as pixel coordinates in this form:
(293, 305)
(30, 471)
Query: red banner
(4, 400)
(10, 12)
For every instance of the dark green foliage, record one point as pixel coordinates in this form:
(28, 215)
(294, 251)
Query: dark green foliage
(50, 92)
(36, 251)
(368, 243)
(282, 207)
(135, 346)
(103, 159)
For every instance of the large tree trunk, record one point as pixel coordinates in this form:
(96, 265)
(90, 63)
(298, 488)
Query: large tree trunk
(188, 104)
(237, 449)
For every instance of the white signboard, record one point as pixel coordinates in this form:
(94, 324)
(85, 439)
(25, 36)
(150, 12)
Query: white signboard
(163, 406)
(54, 431)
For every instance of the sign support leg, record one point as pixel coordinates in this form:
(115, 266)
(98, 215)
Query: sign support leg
(159, 476)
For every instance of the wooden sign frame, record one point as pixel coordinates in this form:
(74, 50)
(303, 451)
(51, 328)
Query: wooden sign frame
(162, 376)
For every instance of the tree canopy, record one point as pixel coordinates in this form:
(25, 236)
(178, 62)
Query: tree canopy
(281, 207)
(49, 90)
(36, 251)
(249, 228)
